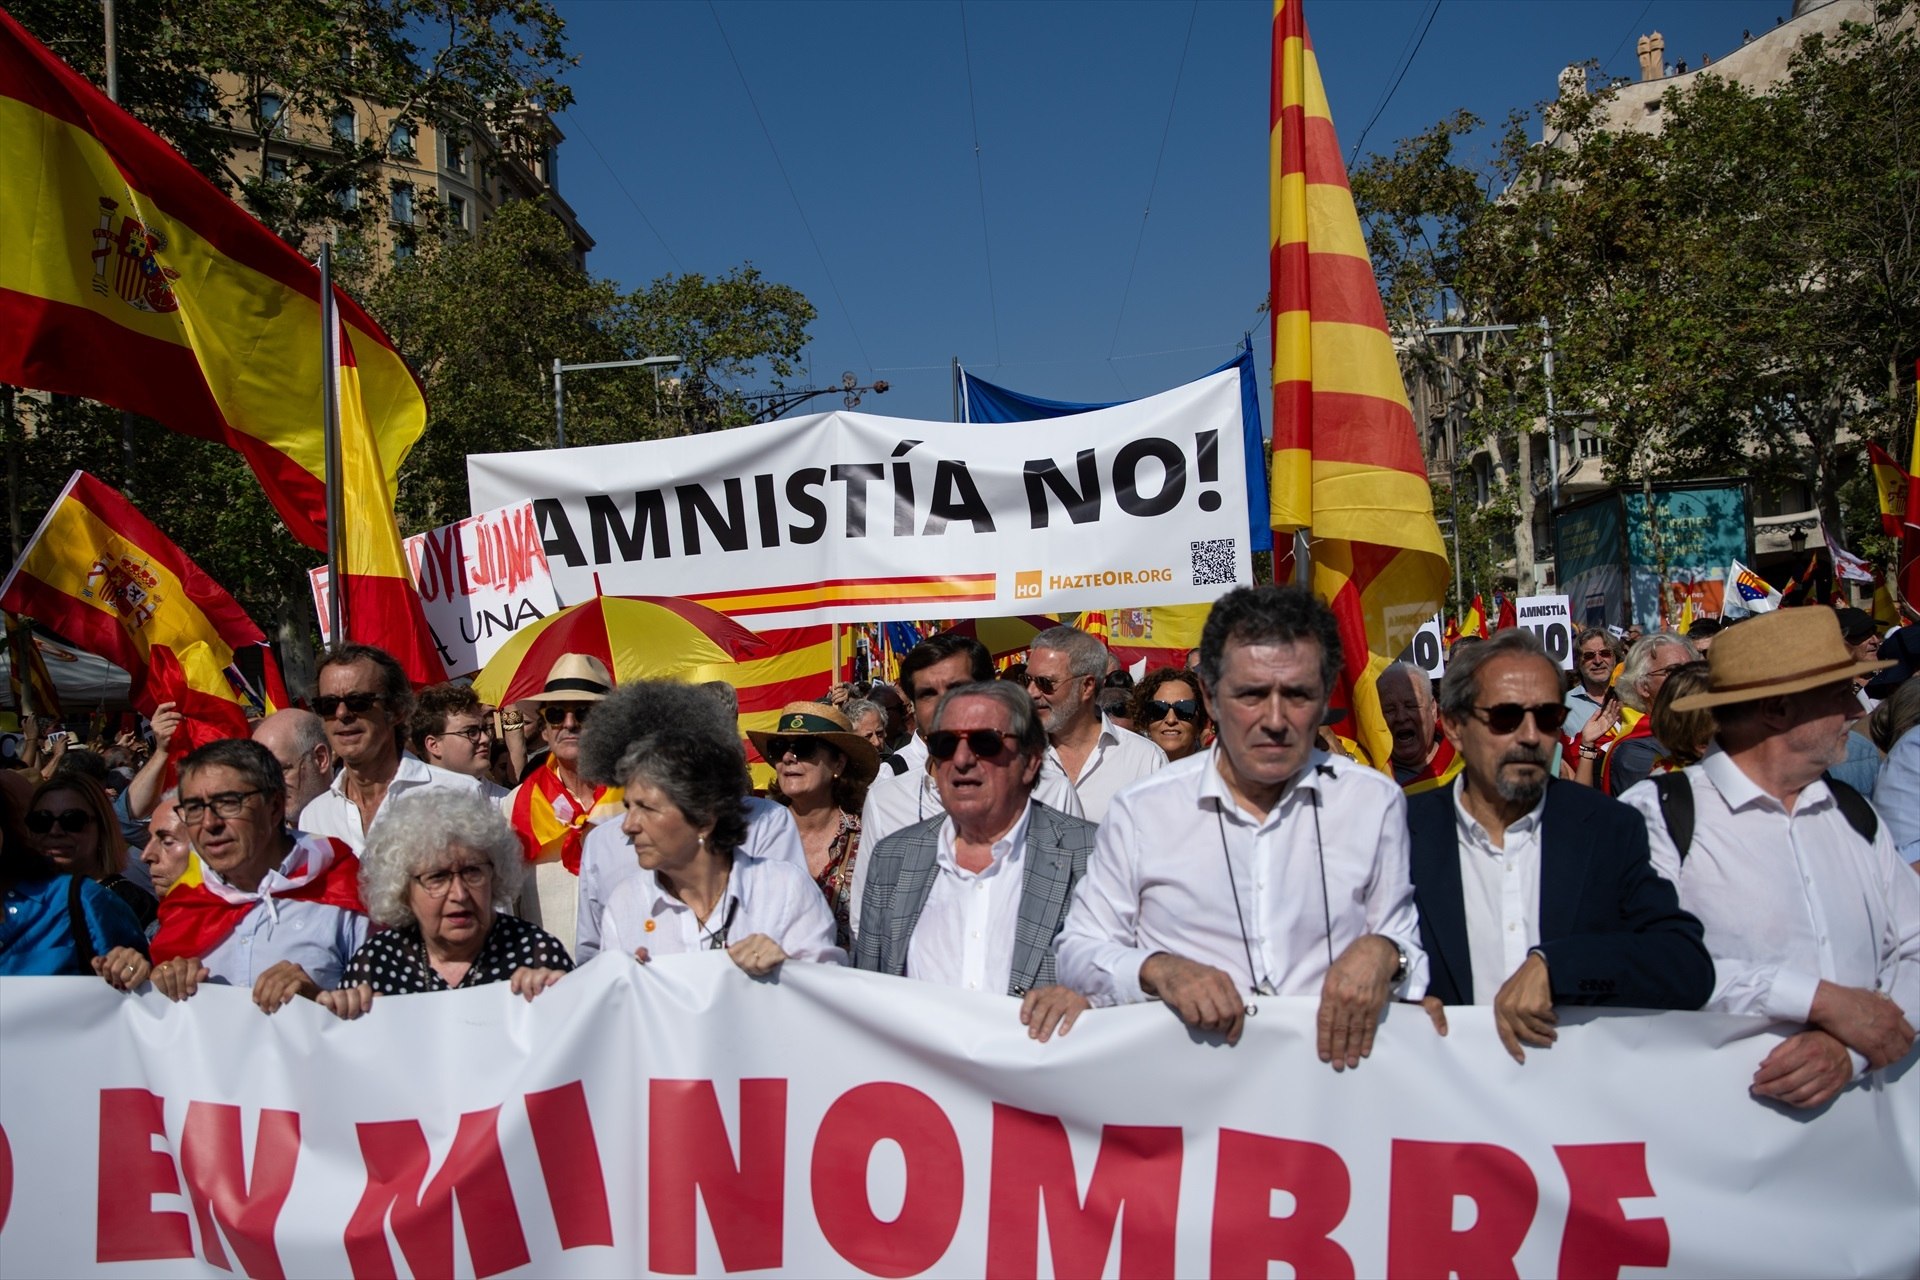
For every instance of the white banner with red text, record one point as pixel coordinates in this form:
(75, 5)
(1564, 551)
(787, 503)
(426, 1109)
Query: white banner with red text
(851, 517)
(681, 1118)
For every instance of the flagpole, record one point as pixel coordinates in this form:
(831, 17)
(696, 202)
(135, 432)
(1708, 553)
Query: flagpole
(330, 400)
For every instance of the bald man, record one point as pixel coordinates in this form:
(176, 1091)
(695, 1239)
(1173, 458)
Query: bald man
(298, 740)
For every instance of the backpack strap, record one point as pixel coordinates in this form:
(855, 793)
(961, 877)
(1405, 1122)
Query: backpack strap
(1676, 807)
(1855, 807)
(77, 923)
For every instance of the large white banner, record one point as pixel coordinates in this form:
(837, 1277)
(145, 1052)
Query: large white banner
(851, 517)
(681, 1119)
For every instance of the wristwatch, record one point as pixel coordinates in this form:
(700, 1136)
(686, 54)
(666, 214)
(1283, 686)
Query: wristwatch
(1400, 970)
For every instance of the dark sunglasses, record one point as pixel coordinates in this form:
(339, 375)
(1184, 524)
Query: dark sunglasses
(801, 749)
(1188, 709)
(328, 704)
(1506, 717)
(555, 713)
(943, 744)
(41, 821)
(1047, 684)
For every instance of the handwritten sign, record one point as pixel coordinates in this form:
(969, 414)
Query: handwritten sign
(480, 580)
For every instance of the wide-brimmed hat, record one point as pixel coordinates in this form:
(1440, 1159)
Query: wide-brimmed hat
(818, 720)
(576, 677)
(1786, 651)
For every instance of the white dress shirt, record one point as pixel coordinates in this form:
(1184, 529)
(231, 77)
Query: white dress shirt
(1788, 900)
(913, 755)
(1176, 850)
(898, 802)
(1500, 889)
(317, 936)
(1119, 757)
(773, 897)
(964, 936)
(331, 813)
(607, 859)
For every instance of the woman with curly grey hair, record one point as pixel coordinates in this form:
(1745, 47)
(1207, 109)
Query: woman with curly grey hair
(436, 868)
(683, 779)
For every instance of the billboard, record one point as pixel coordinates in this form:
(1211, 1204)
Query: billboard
(1618, 553)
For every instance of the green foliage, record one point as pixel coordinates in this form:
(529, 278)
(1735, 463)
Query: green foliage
(1737, 293)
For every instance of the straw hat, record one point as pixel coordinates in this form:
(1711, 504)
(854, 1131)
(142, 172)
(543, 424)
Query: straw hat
(576, 677)
(818, 720)
(1786, 651)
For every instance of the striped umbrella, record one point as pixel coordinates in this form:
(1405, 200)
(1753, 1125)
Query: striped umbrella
(638, 637)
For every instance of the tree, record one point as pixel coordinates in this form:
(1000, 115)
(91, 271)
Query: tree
(1737, 292)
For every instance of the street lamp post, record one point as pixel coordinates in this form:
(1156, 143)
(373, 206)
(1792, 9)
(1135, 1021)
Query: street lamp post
(560, 371)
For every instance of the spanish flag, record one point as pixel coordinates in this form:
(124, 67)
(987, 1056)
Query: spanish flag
(1347, 465)
(100, 573)
(130, 279)
(1476, 620)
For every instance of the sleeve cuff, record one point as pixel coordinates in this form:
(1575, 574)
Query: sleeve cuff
(1790, 996)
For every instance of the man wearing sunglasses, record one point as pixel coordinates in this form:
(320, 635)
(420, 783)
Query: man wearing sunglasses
(365, 700)
(1263, 866)
(935, 665)
(1535, 892)
(1064, 668)
(975, 897)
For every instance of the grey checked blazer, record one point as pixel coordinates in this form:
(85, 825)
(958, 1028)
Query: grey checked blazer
(900, 875)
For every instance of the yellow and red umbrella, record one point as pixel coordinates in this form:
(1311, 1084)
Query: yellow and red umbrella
(638, 637)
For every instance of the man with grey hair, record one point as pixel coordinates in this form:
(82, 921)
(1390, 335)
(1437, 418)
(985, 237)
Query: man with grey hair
(620, 720)
(1593, 662)
(1422, 759)
(1205, 879)
(1065, 666)
(1533, 892)
(298, 740)
(869, 720)
(1650, 661)
(975, 897)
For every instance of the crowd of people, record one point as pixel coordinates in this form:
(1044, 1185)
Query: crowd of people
(1726, 820)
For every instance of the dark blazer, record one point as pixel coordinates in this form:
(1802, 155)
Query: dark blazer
(900, 875)
(1611, 928)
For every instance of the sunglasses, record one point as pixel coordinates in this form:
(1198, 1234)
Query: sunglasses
(41, 821)
(987, 744)
(1187, 709)
(1506, 717)
(801, 749)
(328, 704)
(556, 713)
(1047, 684)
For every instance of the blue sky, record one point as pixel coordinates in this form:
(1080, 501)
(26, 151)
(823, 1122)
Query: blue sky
(1059, 287)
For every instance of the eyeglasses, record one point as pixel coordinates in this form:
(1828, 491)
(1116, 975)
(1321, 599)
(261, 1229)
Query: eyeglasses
(1187, 709)
(1506, 717)
(1594, 655)
(1667, 670)
(556, 713)
(327, 704)
(943, 744)
(1047, 684)
(41, 821)
(227, 804)
(436, 883)
(473, 733)
(801, 749)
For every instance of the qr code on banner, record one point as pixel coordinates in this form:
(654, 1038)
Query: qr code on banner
(1213, 562)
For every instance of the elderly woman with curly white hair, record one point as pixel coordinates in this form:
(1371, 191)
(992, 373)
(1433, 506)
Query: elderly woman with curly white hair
(435, 871)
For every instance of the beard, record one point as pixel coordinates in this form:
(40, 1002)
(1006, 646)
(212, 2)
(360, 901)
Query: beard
(1521, 790)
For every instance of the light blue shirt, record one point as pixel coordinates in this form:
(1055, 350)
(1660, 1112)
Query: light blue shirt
(1896, 794)
(314, 935)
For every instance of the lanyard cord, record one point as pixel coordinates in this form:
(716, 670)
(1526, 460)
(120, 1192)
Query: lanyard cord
(1264, 986)
(717, 940)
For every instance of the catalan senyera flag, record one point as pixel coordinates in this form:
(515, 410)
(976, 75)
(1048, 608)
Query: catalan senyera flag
(1347, 465)
(130, 279)
(100, 573)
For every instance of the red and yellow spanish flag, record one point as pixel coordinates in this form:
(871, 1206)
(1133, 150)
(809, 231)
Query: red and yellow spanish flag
(130, 279)
(1347, 465)
(1476, 620)
(1890, 485)
(100, 573)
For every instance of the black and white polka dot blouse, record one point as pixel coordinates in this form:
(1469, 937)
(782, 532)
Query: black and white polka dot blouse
(394, 963)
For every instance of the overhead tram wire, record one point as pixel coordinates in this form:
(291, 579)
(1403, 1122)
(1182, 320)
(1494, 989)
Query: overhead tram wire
(795, 195)
(580, 128)
(980, 179)
(1636, 26)
(1154, 185)
(1395, 86)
